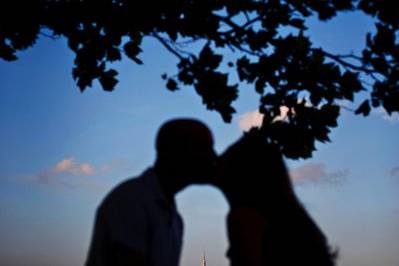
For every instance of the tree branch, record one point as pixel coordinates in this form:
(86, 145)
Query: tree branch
(178, 47)
(346, 107)
(251, 21)
(339, 59)
(166, 45)
(49, 36)
(229, 22)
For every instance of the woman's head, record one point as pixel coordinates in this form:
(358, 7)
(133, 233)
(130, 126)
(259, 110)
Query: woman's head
(252, 172)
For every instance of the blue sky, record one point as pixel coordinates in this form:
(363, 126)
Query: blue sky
(62, 150)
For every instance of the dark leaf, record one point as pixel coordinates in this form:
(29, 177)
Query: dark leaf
(132, 49)
(137, 60)
(364, 108)
(171, 85)
(113, 54)
(108, 80)
(7, 53)
(208, 58)
(298, 23)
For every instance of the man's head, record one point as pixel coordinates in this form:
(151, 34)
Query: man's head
(185, 153)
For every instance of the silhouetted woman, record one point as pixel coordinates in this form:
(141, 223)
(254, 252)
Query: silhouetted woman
(267, 225)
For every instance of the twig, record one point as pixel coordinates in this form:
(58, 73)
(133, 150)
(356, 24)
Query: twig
(242, 49)
(177, 47)
(49, 36)
(230, 23)
(183, 43)
(246, 16)
(346, 108)
(251, 21)
(339, 59)
(166, 45)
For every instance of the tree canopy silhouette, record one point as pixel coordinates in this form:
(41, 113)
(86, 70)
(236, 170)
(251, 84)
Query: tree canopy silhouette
(284, 67)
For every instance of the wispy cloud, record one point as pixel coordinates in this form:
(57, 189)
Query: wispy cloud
(69, 166)
(112, 166)
(316, 172)
(71, 173)
(254, 118)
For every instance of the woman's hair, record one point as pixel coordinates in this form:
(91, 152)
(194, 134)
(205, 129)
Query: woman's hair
(254, 172)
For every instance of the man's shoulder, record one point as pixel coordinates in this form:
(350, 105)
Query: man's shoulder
(131, 191)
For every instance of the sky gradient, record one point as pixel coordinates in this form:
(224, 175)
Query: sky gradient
(62, 151)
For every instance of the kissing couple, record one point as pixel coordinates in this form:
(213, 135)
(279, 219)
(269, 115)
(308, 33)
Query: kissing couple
(138, 224)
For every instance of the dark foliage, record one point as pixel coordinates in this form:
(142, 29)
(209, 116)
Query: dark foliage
(285, 70)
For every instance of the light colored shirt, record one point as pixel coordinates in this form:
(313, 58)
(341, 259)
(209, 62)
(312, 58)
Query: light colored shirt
(137, 215)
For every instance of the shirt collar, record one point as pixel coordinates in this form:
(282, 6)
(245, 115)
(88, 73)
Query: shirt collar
(158, 193)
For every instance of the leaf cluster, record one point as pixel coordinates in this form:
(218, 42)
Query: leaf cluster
(285, 70)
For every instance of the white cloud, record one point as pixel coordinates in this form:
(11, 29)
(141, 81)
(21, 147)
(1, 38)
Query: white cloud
(251, 119)
(283, 113)
(316, 172)
(70, 173)
(60, 173)
(70, 165)
(63, 165)
(254, 118)
(66, 166)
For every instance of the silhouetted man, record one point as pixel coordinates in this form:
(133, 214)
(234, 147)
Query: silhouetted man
(137, 223)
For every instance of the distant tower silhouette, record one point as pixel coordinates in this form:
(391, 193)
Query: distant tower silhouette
(203, 260)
